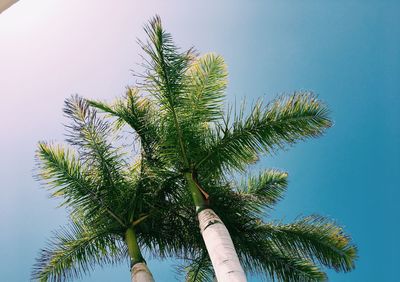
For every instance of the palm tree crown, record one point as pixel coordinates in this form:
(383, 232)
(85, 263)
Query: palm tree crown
(116, 208)
(177, 113)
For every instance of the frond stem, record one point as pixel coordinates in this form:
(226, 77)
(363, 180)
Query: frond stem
(168, 88)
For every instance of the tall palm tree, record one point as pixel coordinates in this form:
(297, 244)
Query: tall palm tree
(116, 208)
(182, 128)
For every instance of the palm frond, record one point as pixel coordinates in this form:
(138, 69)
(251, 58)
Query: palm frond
(140, 114)
(90, 135)
(103, 164)
(267, 260)
(199, 269)
(206, 81)
(166, 66)
(165, 72)
(317, 238)
(284, 121)
(74, 251)
(265, 190)
(169, 230)
(63, 173)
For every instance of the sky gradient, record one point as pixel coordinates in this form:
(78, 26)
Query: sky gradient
(348, 52)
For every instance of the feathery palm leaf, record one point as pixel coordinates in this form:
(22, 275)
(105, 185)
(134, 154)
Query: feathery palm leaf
(139, 113)
(277, 264)
(283, 121)
(199, 269)
(166, 69)
(206, 83)
(317, 238)
(61, 171)
(75, 250)
(90, 135)
(265, 190)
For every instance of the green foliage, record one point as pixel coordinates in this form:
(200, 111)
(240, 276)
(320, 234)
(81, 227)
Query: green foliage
(105, 197)
(75, 250)
(317, 238)
(284, 121)
(265, 190)
(279, 264)
(62, 172)
(199, 269)
(177, 114)
(139, 113)
(166, 68)
(205, 84)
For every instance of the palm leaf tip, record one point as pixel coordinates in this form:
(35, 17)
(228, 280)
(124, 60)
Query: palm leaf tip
(341, 252)
(285, 121)
(301, 114)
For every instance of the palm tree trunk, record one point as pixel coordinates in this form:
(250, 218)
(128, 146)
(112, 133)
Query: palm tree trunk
(141, 273)
(220, 248)
(217, 239)
(139, 270)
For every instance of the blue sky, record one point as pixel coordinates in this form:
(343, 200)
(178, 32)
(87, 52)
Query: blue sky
(348, 52)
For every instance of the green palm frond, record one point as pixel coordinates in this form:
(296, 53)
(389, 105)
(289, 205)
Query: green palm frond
(165, 72)
(139, 113)
(75, 250)
(265, 190)
(283, 121)
(276, 264)
(62, 172)
(199, 269)
(317, 238)
(90, 135)
(66, 176)
(166, 67)
(170, 231)
(93, 179)
(206, 81)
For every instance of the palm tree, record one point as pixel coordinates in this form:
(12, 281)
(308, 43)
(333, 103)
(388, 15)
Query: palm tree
(116, 209)
(182, 128)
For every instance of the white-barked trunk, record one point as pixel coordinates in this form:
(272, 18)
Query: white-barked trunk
(220, 248)
(141, 273)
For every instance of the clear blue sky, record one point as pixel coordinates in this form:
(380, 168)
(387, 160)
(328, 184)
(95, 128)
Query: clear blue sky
(346, 51)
